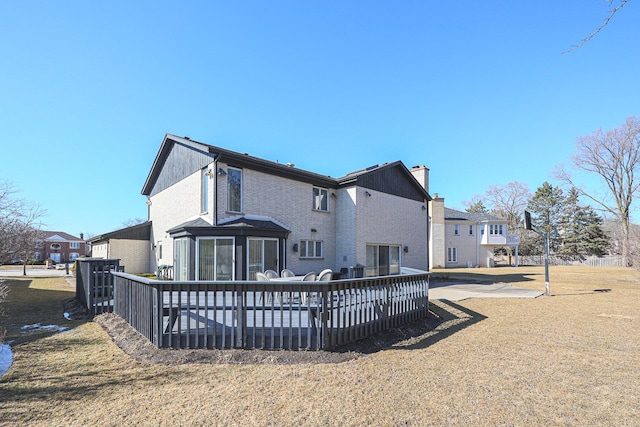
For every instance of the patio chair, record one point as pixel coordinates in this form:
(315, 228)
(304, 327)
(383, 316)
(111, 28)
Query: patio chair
(325, 275)
(271, 274)
(261, 277)
(286, 273)
(309, 277)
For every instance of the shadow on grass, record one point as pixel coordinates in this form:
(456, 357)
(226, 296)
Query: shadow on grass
(446, 318)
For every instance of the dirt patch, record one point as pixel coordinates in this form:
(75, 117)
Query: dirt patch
(139, 348)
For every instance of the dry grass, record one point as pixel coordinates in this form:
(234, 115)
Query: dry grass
(569, 359)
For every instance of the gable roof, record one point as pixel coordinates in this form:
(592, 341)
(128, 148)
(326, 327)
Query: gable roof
(179, 157)
(140, 231)
(60, 236)
(454, 215)
(392, 178)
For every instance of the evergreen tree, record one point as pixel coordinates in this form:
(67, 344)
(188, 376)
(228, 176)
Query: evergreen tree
(546, 207)
(582, 233)
(477, 207)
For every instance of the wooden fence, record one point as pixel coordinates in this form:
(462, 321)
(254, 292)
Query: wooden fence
(592, 261)
(94, 283)
(277, 314)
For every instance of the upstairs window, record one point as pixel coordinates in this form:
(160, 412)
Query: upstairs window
(456, 230)
(471, 230)
(204, 190)
(234, 190)
(320, 199)
(495, 229)
(74, 245)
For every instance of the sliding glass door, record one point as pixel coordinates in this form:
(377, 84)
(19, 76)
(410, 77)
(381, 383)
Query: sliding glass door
(383, 260)
(262, 255)
(215, 260)
(181, 259)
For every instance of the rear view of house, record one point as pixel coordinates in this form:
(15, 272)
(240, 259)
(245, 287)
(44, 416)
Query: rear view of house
(217, 214)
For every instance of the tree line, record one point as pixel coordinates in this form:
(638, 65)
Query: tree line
(577, 229)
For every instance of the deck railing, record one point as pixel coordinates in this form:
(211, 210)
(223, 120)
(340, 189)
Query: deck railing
(94, 283)
(277, 314)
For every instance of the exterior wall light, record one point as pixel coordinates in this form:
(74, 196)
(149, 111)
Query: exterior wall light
(295, 247)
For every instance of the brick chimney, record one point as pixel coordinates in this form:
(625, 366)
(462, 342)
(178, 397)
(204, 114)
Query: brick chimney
(421, 174)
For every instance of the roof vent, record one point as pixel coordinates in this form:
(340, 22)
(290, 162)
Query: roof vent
(290, 164)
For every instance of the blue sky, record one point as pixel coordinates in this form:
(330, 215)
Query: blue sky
(479, 92)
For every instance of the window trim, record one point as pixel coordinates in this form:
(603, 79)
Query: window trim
(305, 244)
(215, 239)
(377, 254)
(74, 245)
(230, 169)
(204, 190)
(452, 254)
(456, 229)
(321, 191)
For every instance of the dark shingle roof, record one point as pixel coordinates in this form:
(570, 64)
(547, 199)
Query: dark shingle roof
(454, 215)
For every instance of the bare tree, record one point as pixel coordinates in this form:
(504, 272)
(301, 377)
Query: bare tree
(509, 202)
(615, 8)
(614, 155)
(20, 224)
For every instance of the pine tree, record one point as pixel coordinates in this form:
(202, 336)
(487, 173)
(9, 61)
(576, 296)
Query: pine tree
(546, 207)
(581, 229)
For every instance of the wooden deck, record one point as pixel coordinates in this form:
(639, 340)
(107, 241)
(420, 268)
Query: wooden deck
(266, 315)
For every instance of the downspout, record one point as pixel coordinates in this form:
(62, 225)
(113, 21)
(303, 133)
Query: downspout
(478, 237)
(215, 191)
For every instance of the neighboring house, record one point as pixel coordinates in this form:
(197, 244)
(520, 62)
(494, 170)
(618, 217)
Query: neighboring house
(59, 247)
(217, 214)
(130, 245)
(465, 239)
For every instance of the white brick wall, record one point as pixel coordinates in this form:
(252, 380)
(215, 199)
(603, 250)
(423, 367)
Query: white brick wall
(289, 202)
(387, 219)
(171, 207)
(353, 219)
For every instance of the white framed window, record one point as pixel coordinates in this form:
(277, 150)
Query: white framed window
(55, 246)
(310, 249)
(320, 199)
(383, 260)
(495, 229)
(73, 256)
(456, 230)
(234, 189)
(204, 190)
(37, 256)
(452, 254)
(482, 230)
(214, 259)
(74, 245)
(471, 230)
